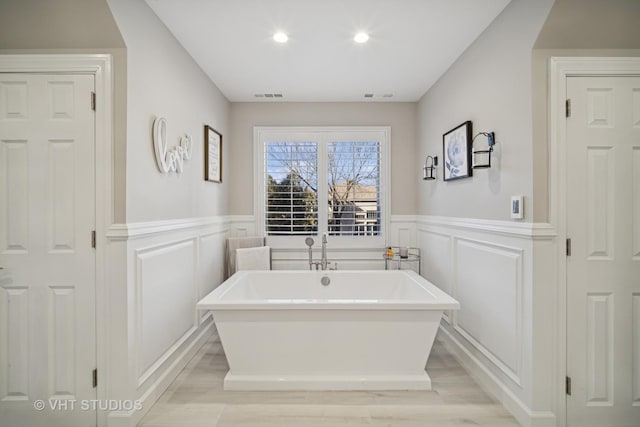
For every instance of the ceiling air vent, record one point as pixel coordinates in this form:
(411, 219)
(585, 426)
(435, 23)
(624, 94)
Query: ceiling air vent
(268, 95)
(371, 95)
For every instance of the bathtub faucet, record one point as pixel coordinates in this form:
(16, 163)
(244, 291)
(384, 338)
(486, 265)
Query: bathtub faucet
(323, 263)
(323, 257)
(309, 242)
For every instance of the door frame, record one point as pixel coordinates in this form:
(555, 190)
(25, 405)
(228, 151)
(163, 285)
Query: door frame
(100, 66)
(560, 68)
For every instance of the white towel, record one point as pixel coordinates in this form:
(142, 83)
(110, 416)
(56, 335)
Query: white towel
(234, 243)
(253, 258)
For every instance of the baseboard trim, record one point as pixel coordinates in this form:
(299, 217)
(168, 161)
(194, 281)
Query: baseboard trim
(491, 384)
(160, 385)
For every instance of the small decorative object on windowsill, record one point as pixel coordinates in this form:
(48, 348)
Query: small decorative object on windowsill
(429, 169)
(482, 155)
(404, 253)
(389, 254)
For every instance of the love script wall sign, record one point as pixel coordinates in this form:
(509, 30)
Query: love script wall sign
(170, 160)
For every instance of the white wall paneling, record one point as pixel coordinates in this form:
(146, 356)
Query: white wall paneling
(402, 232)
(243, 226)
(171, 265)
(211, 255)
(487, 266)
(489, 276)
(165, 290)
(436, 261)
(346, 259)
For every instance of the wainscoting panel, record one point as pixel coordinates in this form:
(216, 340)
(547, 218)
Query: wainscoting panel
(243, 226)
(165, 287)
(436, 259)
(485, 276)
(345, 259)
(171, 264)
(402, 232)
(211, 264)
(487, 266)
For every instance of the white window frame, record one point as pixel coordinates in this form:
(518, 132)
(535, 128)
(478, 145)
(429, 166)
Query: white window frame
(322, 134)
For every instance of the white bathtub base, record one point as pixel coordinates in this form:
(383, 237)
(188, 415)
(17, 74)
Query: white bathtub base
(244, 382)
(367, 330)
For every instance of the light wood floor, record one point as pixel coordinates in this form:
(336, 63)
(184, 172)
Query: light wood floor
(196, 399)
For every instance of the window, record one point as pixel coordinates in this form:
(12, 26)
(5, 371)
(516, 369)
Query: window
(291, 187)
(353, 184)
(315, 180)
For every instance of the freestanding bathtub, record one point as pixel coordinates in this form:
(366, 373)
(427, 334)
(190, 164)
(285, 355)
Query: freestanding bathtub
(364, 330)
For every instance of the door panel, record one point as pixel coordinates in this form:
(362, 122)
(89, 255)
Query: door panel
(47, 213)
(603, 271)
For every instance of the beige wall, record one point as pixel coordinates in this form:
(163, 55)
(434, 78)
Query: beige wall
(490, 84)
(59, 24)
(591, 24)
(73, 26)
(400, 116)
(578, 28)
(163, 80)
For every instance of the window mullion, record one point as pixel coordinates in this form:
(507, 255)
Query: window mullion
(322, 183)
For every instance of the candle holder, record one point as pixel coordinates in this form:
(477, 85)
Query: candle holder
(429, 171)
(482, 155)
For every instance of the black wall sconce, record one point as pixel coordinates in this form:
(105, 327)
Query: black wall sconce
(429, 170)
(482, 155)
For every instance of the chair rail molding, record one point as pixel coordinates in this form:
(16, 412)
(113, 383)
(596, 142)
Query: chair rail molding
(134, 230)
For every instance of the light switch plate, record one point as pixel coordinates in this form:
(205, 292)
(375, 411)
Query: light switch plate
(517, 207)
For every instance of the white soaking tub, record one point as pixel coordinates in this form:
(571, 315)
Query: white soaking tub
(365, 330)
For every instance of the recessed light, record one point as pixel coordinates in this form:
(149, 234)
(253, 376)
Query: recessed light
(361, 37)
(280, 37)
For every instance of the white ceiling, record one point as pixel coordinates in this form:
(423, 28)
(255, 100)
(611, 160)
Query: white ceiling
(412, 44)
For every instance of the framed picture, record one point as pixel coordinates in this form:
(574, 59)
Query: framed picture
(212, 155)
(456, 145)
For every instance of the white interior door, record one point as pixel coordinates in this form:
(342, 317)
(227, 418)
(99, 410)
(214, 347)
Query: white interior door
(47, 213)
(603, 270)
